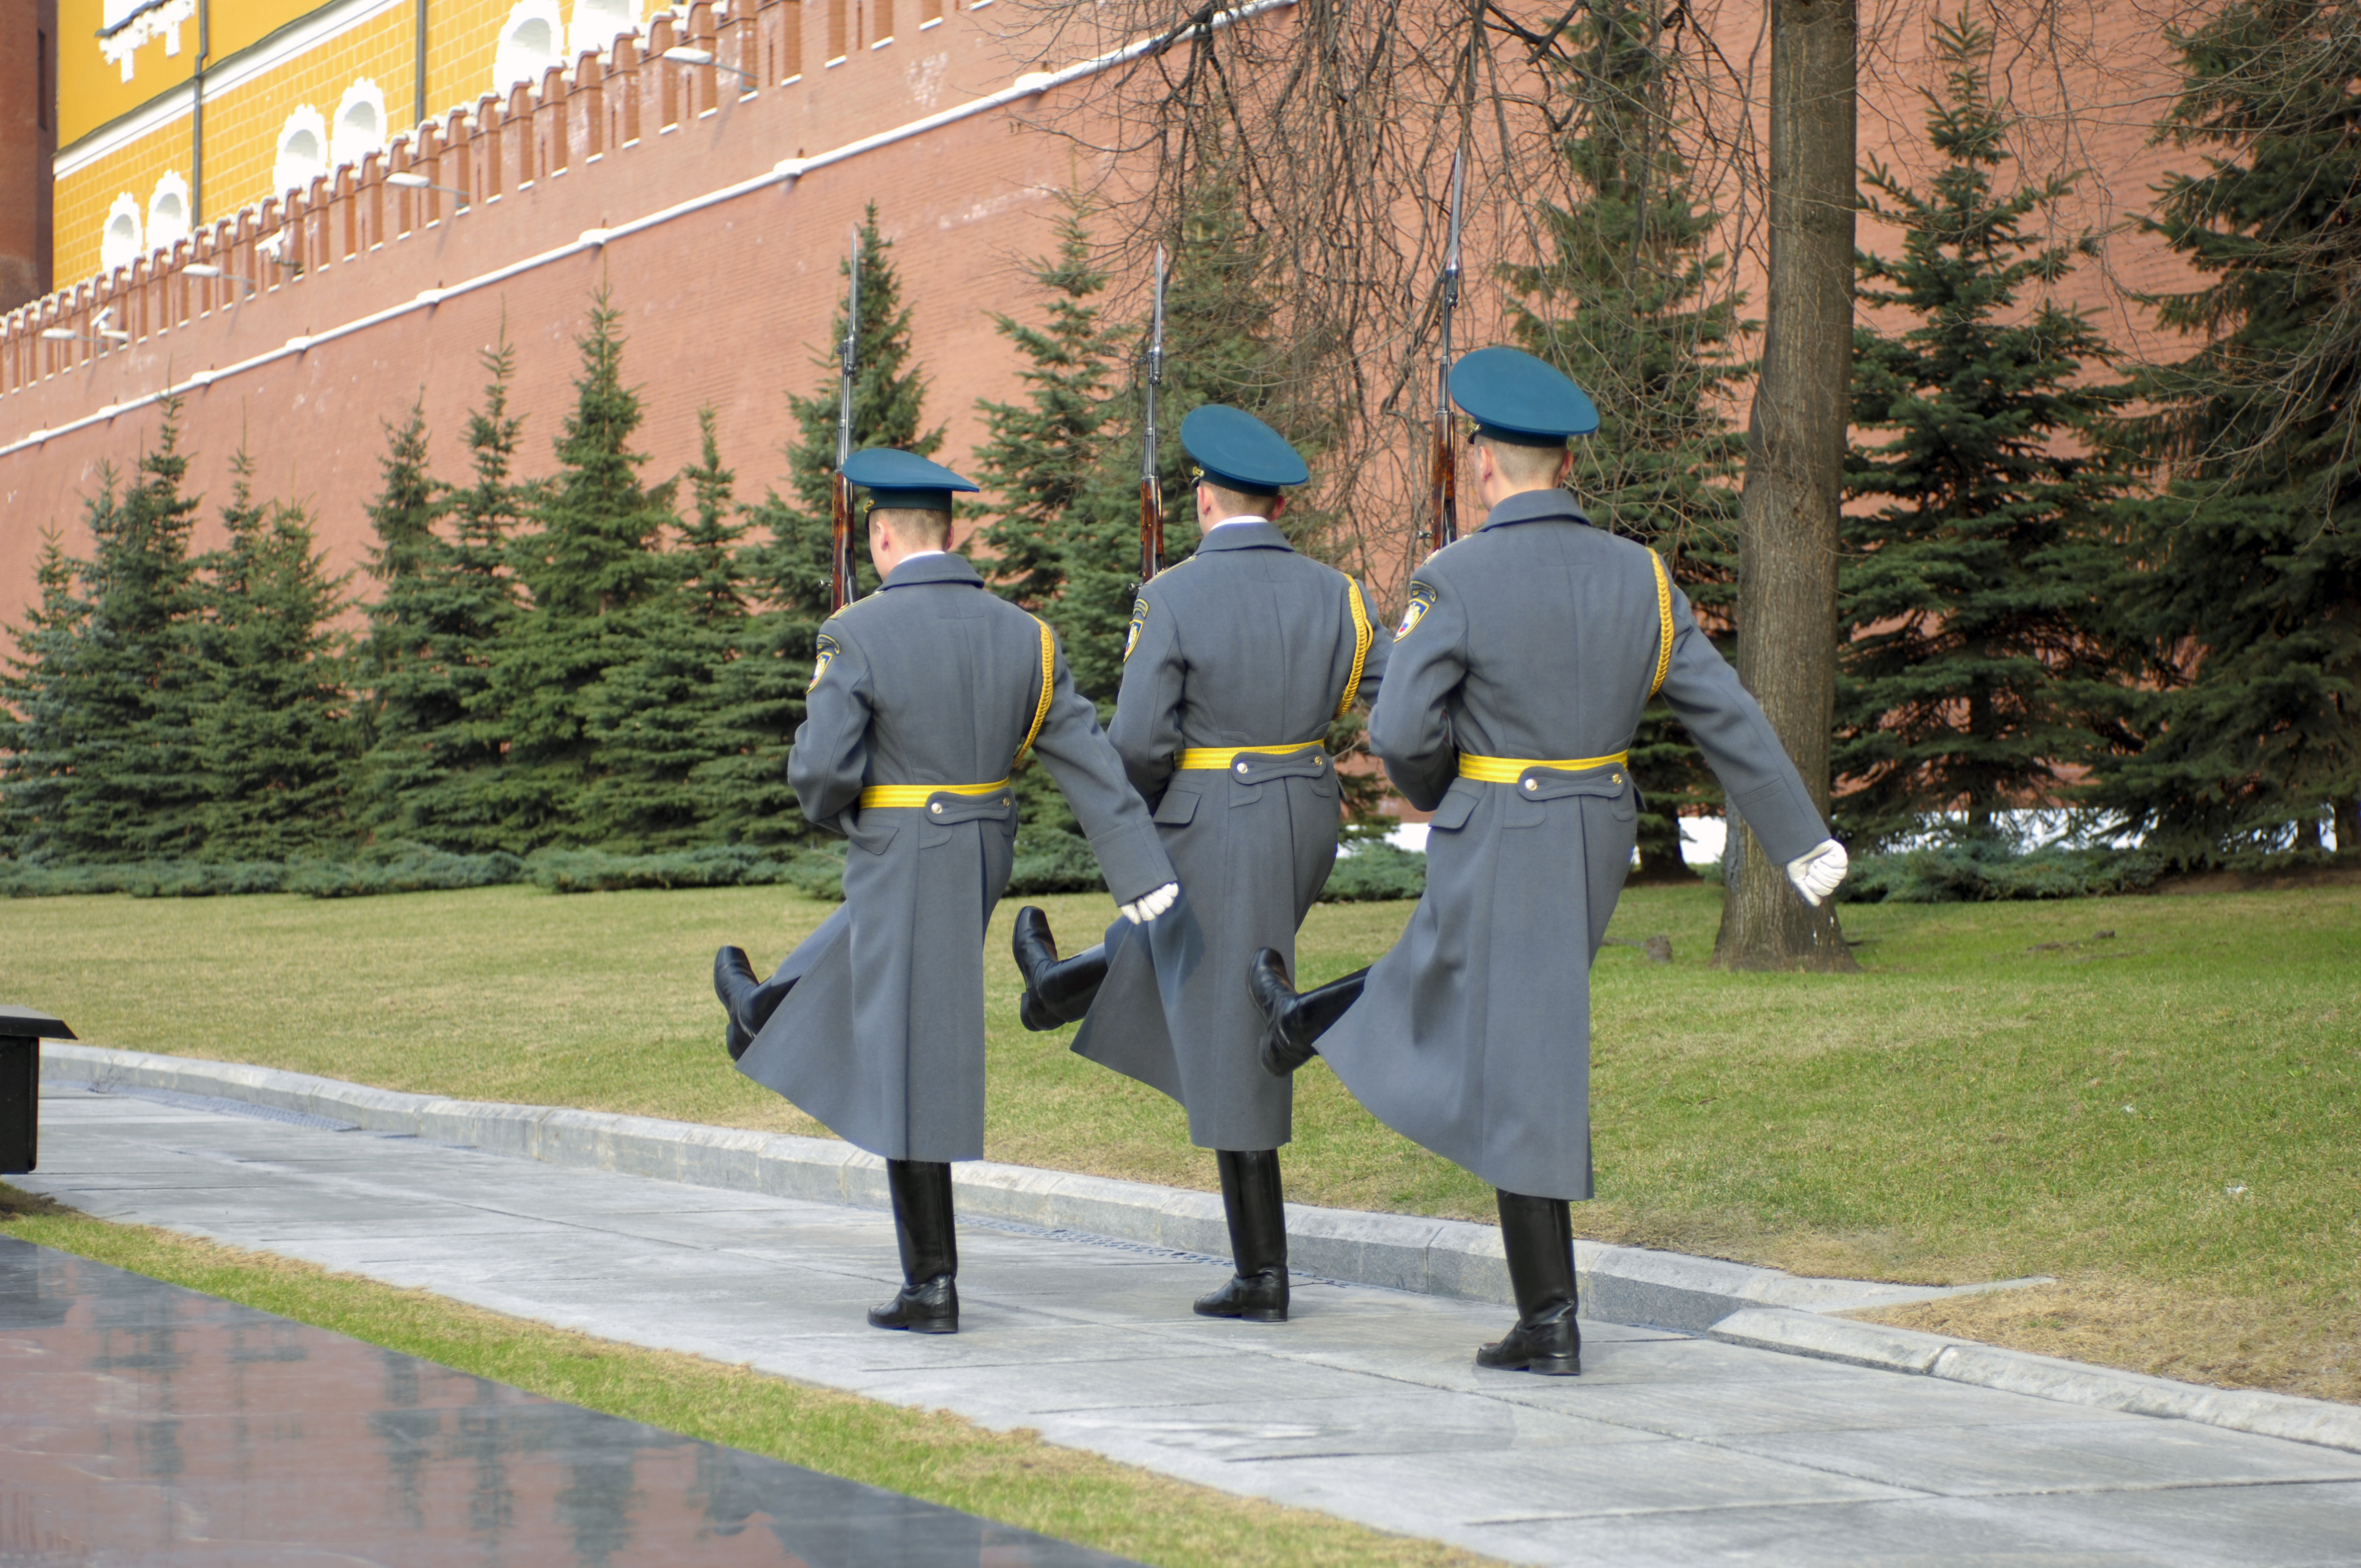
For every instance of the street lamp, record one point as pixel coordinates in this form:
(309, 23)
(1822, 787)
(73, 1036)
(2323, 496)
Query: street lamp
(207, 269)
(407, 180)
(683, 54)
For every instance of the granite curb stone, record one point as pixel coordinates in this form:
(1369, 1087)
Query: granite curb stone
(1435, 1257)
(2322, 1421)
(1736, 1303)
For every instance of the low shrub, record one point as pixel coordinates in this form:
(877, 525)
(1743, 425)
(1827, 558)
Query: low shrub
(1051, 861)
(1982, 870)
(1375, 871)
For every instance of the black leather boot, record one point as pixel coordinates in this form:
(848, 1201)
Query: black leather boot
(734, 982)
(928, 1302)
(1537, 1234)
(1251, 1201)
(1057, 993)
(1292, 1023)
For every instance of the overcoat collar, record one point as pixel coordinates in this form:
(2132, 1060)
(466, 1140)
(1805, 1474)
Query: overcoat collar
(1551, 505)
(943, 567)
(1244, 536)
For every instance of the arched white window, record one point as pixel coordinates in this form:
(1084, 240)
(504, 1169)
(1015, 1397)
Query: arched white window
(528, 44)
(118, 242)
(360, 125)
(302, 151)
(597, 23)
(168, 213)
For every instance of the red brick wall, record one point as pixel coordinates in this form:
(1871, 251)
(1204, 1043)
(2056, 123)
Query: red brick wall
(726, 306)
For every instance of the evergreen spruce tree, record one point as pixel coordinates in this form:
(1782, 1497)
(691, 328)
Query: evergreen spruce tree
(1966, 591)
(276, 729)
(1060, 510)
(438, 738)
(599, 583)
(1630, 302)
(657, 718)
(37, 718)
(1060, 469)
(132, 785)
(402, 516)
(762, 697)
(2244, 587)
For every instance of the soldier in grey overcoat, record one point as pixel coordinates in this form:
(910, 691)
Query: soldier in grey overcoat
(923, 696)
(1237, 662)
(1518, 673)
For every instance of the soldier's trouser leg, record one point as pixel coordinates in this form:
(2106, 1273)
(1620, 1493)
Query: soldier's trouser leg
(1538, 1236)
(1251, 1201)
(929, 1300)
(1294, 1021)
(1057, 991)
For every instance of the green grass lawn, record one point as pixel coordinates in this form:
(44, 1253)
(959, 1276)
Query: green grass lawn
(1011, 1476)
(2166, 1117)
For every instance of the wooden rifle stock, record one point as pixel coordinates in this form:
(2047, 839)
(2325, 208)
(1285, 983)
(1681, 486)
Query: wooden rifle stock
(840, 587)
(1151, 526)
(1443, 523)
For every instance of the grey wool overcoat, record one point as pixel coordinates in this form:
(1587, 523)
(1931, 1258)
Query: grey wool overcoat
(930, 682)
(1245, 643)
(1537, 638)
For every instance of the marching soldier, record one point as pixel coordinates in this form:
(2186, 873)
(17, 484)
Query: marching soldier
(1518, 673)
(1237, 662)
(923, 696)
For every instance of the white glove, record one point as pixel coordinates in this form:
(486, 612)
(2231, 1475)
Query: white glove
(1817, 870)
(1147, 907)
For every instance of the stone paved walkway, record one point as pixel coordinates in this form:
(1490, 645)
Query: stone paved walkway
(1669, 1450)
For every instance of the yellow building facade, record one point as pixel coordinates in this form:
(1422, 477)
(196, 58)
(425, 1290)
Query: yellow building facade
(172, 112)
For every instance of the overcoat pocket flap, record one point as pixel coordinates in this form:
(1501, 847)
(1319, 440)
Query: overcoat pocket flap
(1179, 805)
(1458, 803)
(871, 831)
(946, 808)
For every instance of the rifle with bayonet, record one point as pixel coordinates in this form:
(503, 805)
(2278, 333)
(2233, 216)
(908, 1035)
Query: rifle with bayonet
(1151, 481)
(1442, 522)
(843, 587)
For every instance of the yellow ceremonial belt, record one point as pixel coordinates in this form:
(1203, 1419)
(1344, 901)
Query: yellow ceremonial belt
(918, 794)
(1508, 770)
(1221, 757)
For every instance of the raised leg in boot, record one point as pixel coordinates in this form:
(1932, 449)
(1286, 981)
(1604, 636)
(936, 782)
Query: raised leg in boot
(1538, 1236)
(929, 1300)
(1293, 1023)
(749, 1002)
(1250, 1197)
(1057, 991)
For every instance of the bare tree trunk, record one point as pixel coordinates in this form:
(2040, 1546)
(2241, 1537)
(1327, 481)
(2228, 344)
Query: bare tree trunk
(1794, 464)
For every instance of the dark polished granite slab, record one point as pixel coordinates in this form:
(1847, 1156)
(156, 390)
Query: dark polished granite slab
(141, 1422)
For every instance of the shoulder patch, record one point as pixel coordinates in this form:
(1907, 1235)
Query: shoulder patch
(823, 656)
(1138, 620)
(1421, 599)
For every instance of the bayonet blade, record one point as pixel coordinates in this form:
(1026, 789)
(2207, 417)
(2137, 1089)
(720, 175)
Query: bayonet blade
(1458, 194)
(847, 354)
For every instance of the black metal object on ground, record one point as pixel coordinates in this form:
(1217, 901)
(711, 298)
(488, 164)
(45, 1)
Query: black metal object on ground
(145, 1422)
(21, 1032)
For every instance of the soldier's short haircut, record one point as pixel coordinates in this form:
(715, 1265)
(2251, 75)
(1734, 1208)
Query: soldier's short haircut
(915, 525)
(1523, 465)
(1245, 501)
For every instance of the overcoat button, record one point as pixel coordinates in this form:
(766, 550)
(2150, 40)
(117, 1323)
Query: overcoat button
(937, 808)
(1532, 784)
(1318, 763)
(1242, 767)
